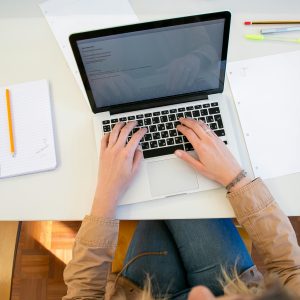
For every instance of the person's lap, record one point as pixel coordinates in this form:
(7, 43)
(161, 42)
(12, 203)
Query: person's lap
(166, 272)
(197, 249)
(206, 246)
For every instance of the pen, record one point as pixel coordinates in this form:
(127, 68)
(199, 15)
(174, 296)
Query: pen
(270, 22)
(279, 30)
(10, 125)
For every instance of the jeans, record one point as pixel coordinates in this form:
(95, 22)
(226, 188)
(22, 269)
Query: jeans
(196, 252)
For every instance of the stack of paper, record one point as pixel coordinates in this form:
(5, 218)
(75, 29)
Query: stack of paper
(267, 97)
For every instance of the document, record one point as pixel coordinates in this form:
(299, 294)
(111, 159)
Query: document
(71, 16)
(267, 98)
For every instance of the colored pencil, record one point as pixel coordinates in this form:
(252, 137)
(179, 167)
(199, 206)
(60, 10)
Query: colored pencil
(10, 124)
(271, 22)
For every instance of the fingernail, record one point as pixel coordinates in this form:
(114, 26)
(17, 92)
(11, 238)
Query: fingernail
(140, 148)
(178, 153)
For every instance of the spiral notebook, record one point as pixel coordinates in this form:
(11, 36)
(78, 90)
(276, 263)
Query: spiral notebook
(32, 125)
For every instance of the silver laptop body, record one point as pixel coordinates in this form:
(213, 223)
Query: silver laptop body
(155, 73)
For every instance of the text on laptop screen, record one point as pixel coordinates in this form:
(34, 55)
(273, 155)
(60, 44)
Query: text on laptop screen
(154, 63)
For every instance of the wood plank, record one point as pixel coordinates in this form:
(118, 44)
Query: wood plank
(8, 237)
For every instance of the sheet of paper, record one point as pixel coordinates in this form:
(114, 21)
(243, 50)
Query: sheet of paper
(32, 130)
(71, 16)
(267, 96)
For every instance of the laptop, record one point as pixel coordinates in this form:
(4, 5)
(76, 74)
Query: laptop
(155, 73)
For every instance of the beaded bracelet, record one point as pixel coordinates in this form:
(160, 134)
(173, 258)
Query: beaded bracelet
(236, 179)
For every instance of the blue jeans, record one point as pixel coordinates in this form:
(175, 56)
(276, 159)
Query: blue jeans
(196, 251)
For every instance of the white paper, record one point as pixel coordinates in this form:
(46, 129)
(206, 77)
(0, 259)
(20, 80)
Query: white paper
(32, 130)
(267, 97)
(72, 16)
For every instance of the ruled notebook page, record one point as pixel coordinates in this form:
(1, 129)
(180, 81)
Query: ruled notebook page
(32, 127)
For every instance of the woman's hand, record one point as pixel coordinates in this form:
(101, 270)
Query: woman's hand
(118, 164)
(215, 160)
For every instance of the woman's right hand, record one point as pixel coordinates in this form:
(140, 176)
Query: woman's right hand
(214, 161)
(118, 165)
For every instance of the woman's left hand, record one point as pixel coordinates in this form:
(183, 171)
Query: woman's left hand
(119, 163)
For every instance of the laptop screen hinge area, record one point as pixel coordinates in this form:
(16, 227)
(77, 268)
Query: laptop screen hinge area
(156, 103)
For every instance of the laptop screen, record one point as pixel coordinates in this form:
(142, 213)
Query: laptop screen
(154, 63)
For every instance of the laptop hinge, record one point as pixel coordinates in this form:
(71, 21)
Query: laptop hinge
(156, 103)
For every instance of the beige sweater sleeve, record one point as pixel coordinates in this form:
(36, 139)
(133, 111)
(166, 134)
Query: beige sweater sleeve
(93, 252)
(270, 230)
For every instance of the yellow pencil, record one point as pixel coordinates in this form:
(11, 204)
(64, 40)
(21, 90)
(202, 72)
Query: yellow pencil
(10, 125)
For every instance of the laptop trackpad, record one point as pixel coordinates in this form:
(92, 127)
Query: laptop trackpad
(171, 176)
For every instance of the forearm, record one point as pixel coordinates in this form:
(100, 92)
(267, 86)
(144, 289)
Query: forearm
(269, 229)
(104, 205)
(93, 251)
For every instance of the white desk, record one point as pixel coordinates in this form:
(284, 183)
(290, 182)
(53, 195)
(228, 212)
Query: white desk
(29, 51)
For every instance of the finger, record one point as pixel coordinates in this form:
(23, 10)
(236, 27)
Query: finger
(196, 164)
(113, 137)
(207, 129)
(124, 133)
(104, 142)
(190, 134)
(137, 158)
(195, 126)
(135, 139)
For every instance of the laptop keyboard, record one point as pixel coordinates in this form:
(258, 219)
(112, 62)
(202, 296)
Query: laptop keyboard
(162, 138)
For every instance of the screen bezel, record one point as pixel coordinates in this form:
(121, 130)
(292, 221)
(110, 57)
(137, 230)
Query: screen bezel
(142, 104)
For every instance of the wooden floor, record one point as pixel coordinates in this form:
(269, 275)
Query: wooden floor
(43, 250)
